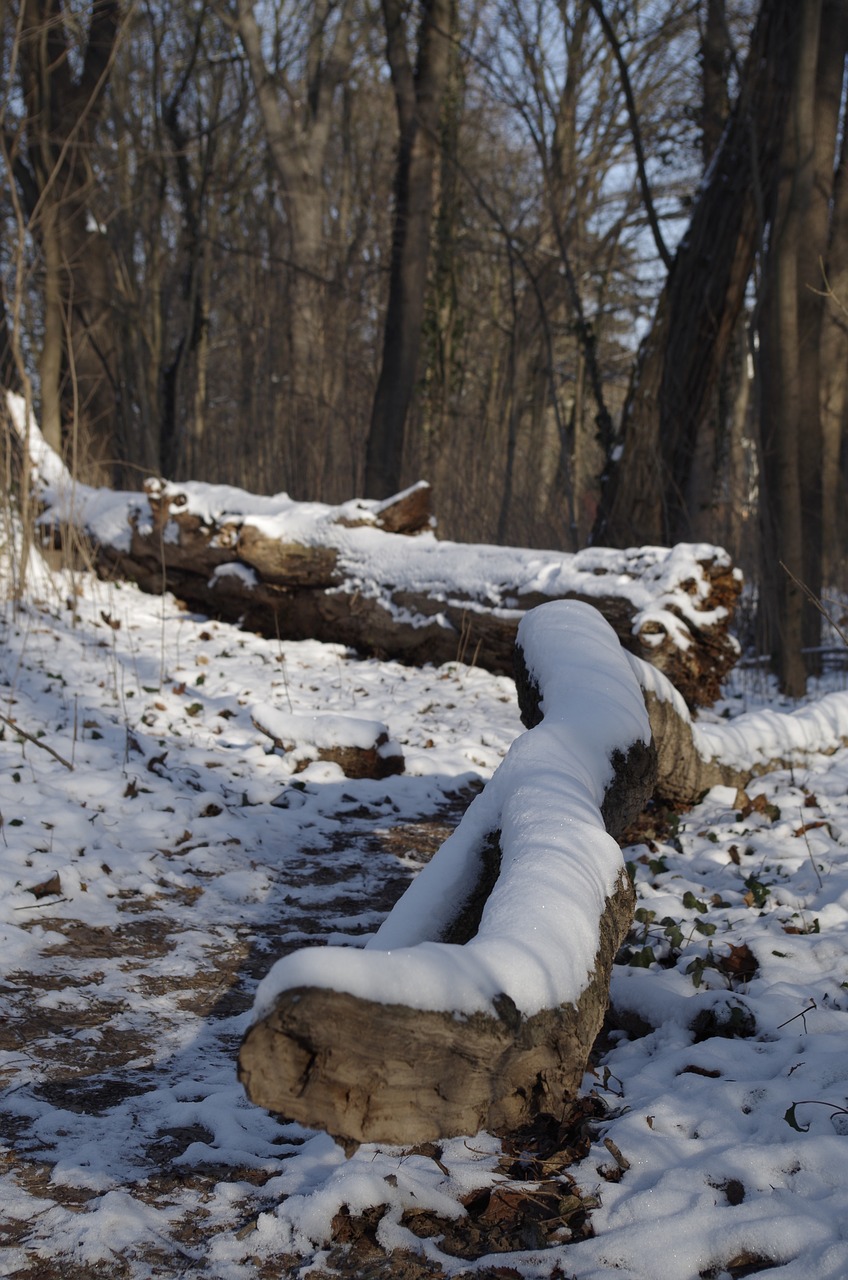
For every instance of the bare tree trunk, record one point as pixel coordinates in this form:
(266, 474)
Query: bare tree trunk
(789, 425)
(53, 340)
(824, 110)
(702, 494)
(299, 141)
(646, 481)
(418, 96)
(833, 345)
(715, 64)
(78, 364)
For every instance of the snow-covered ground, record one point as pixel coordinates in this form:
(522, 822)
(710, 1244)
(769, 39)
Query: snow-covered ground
(157, 855)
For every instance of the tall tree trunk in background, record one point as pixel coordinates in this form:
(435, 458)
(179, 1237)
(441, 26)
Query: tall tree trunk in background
(826, 98)
(833, 343)
(299, 139)
(790, 424)
(715, 65)
(442, 356)
(711, 448)
(418, 97)
(79, 360)
(790, 329)
(680, 361)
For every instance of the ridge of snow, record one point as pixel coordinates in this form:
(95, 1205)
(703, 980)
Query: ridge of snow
(757, 737)
(538, 936)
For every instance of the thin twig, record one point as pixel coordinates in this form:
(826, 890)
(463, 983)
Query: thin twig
(811, 595)
(36, 742)
(812, 1005)
(809, 850)
(54, 902)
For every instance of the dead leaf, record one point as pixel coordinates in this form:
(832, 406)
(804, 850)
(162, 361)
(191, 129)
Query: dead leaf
(155, 763)
(739, 963)
(810, 826)
(52, 885)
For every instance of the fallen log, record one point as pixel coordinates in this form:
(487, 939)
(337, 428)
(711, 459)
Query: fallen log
(477, 1002)
(361, 748)
(373, 576)
(693, 757)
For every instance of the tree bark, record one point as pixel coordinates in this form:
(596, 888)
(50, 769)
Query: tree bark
(833, 283)
(299, 142)
(368, 1070)
(646, 481)
(79, 357)
(418, 96)
(790, 423)
(715, 65)
(693, 757)
(400, 598)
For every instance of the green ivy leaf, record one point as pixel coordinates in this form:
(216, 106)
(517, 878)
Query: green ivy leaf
(674, 934)
(789, 1117)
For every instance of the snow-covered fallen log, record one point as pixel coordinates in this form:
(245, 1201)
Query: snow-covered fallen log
(351, 574)
(692, 757)
(361, 748)
(476, 1003)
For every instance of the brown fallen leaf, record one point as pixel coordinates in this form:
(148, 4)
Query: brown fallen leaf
(811, 826)
(739, 963)
(52, 885)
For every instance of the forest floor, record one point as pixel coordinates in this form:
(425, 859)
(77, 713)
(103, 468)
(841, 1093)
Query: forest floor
(157, 855)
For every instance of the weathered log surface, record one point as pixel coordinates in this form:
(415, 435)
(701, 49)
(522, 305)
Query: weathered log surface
(357, 575)
(370, 1069)
(400, 599)
(370, 1072)
(693, 757)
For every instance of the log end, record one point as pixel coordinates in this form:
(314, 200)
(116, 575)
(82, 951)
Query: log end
(370, 1072)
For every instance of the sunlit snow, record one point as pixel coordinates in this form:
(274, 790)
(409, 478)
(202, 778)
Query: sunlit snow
(145, 892)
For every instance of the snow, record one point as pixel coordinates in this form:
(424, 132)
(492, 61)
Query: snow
(127, 1141)
(757, 737)
(538, 936)
(325, 731)
(666, 587)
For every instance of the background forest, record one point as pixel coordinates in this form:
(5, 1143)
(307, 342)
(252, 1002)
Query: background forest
(582, 265)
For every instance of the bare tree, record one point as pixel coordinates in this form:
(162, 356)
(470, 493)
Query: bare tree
(648, 479)
(832, 282)
(64, 68)
(419, 91)
(297, 96)
(790, 333)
